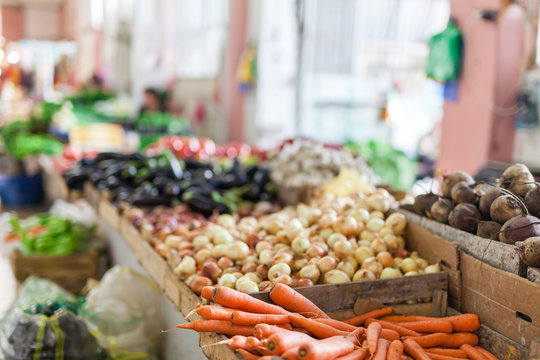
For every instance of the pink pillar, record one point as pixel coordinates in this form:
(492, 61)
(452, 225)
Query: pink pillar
(12, 22)
(236, 41)
(474, 129)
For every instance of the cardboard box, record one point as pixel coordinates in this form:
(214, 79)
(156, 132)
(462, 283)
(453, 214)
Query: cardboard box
(505, 302)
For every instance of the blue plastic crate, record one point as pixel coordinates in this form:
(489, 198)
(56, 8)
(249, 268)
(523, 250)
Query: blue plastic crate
(21, 190)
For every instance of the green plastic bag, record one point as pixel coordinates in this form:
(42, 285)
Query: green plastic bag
(445, 49)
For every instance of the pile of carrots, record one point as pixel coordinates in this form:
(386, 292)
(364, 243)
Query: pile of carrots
(295, 328)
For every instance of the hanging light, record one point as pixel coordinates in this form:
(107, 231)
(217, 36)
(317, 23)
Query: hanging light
(13, 57)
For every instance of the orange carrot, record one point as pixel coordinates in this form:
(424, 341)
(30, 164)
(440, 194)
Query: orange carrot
(246, 318)
(214, 312)
(291, 354)
(358, 354)
(395, 350)
(292, 300)
(252, 342)
(235, 299)
(442, 357)
(388, 325)
(472, 353)
(236, 342)
(446, 340)
(461, 323)
(269, 357)
(382, 350)
(322, 331)
(414, 350)
(429, 326)
(326, 349)
(340, 325)
(218, 326)
(263, 331)
(359, 320)
(280, 342)
(447, 352)
(389, 334)
(486, 353)
(247, 355)
(206, 292)
(372, 336)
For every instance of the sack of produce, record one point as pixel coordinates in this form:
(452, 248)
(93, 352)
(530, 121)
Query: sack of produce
(43, 323)
(123, 313)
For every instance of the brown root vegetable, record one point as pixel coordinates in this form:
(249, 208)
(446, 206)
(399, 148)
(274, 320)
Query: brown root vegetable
(532, 200)
(441, 209)
(464, 217)
(529, 251)
(482, 188)
(423, 203)
(519, 228)
(463, 193)
(488, 229)
(518, 179)
(504, 208)
(484, 205)
(452, 179)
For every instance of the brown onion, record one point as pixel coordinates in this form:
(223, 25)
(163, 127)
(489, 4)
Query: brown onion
(225, 263)
(199, 282)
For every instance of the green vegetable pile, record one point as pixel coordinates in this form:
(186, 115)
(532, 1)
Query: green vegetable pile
(48, 234)
(20, 142)
(154, 125)
(391, 165)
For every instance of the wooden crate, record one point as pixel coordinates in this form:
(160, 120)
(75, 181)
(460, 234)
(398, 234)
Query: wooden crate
(505, 302)
(92, 195)
(109, 213)
(495, 253)
(69, 271)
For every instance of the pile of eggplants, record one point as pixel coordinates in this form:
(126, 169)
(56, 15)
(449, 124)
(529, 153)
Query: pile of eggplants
(146, 181)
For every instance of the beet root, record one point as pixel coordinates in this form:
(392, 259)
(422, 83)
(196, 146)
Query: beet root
(532, 201)
(518, 179)
(440, 210)
(529, 251)
(464, 217)
(463, 193)
(504, 208)
(488, 230)
(519, 228)
(484, 205)
(423, 203)
(452, 179)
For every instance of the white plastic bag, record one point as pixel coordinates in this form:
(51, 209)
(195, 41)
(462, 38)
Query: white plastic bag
(123, 313)
(79, 211)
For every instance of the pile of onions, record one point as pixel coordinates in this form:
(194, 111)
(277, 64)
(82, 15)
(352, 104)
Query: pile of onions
(333, 240)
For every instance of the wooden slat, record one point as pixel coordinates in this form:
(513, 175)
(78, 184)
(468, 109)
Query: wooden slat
(501, 346)
(384, 291)
(109, 214)
(497, 254)
(92, 195)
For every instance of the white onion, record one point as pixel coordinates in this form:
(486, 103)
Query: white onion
(335, 277)
(228, 280)
(226, 220)
(246, 286)
(237, 250)
(374, 224)
(368, 235)
(343, 248)
(300, 244)
(311, 272)
(326, 264)
(389, 272)
(315, 251)
(372, 264)
(385, 258)
(253, 276)
(362, 253)
(385, 230)
(283, 237)
(378, 246)
(277, 270)
(366, 243)
(410, 273)
(284, 249)
(223, 237)
(361, 215)
(283, 279)
(190, 279)
(432, 269)
(262, 245)
(401, 242)
(202, 255)
(322, 245)
(391, 241)
(408, 264)
(200, 241)
(397, 222)
(173, 241)
(187, 267)
(363, 275)
(283, 257)
(347, 268)
(396, 264)
(325, 233)
(347, 226)
(422, 263)
(333, 238)
(265, 257)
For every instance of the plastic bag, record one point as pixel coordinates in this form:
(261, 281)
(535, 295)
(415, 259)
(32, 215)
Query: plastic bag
(123, 313)
(79, 211)
(43, 324)
(444, 60)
